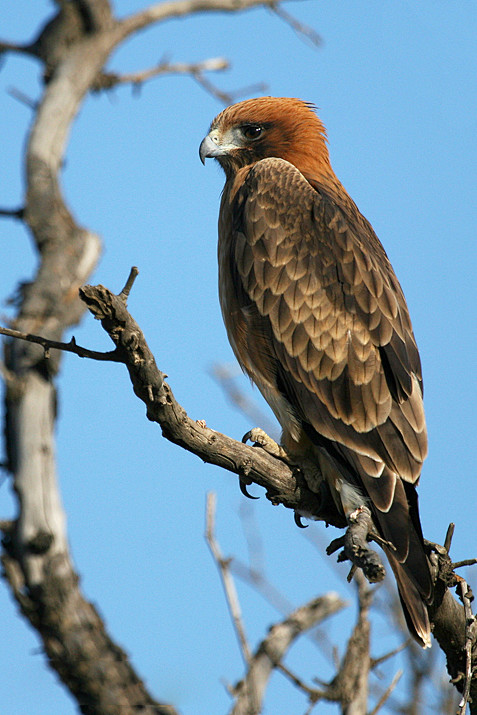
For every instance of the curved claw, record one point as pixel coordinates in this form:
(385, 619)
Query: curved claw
(298, 521)
(243, 488)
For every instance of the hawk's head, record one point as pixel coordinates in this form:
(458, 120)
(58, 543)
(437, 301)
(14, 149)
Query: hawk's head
(280, 127)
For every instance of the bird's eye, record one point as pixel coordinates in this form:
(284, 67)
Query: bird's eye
(252, 131)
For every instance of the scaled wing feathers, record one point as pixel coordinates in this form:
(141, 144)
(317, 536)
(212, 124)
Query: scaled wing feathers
(318, 320)
(326, 316)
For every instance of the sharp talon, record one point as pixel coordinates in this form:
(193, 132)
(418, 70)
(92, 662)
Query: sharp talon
(243, 489)
(259, 438)
(335, 545)
(298, 521)
(372, 536)
(352, 571)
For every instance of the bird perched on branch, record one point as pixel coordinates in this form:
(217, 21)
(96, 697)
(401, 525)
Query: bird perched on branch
(317, 319)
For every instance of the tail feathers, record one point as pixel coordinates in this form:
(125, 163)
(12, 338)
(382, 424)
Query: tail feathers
(413, 604)
(400, 525)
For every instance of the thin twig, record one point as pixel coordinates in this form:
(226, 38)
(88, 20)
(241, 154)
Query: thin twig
(12, 47)
(305, 31)
(387, 693)
(375, 662)
(270, 652)
(228, 97)
(228, 583)
(111, 79)
(22, 98)
(314, 694)
(13, 213)
(224, 375)
(449, 535)
(129, 284)
(71, 347)
(465, 562)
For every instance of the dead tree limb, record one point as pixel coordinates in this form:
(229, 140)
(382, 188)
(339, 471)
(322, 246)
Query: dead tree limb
(249, 691)
(73, 47)
(283, 484)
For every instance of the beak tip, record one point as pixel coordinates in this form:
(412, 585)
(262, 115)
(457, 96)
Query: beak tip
(203, 150)
(210, 149)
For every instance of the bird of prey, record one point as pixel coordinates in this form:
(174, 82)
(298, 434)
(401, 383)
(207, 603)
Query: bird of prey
(317, 319)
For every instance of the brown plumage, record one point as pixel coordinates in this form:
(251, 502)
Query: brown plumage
(316, 317)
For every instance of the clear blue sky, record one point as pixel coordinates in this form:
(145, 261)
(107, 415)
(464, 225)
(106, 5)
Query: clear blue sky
(396, 87)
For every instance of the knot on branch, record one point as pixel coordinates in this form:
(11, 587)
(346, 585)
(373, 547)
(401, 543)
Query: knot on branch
(105, 81)
(99, 301)
(41, 542)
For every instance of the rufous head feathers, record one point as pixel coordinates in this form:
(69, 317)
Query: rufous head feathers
(281, 127)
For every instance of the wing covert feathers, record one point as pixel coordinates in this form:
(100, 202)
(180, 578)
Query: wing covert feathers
(335, 317)
(318, 320)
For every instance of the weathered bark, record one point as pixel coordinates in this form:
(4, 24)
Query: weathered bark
(283, 485)
(450, 629)
(96, 671)
(36, 560)
(73, 47)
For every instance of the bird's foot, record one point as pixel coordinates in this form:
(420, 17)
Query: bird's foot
(261, 439)
(355, 547)
(309, 469)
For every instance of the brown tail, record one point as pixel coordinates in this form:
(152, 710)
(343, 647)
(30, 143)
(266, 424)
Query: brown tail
(413, 603)
(401, 526)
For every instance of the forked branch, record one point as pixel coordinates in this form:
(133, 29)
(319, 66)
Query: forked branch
(284, 484)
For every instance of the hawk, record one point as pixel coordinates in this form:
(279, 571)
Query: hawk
(317, 319)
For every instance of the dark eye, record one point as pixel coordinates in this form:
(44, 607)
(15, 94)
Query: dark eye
(252, 131)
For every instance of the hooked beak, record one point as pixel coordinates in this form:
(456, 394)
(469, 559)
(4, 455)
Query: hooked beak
(210, 147)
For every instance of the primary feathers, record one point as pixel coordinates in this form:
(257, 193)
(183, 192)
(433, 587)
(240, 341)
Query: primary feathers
(316, 317)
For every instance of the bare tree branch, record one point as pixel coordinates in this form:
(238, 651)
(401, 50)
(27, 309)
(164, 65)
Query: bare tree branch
(161, 11)
(73, 633)
(274, 647)
(107, 80)
(466, 596)
(73, 46)
(70, 347)
(451, 628)
(250, 691)
(223, 566)
(305, 31)
(382, 700)
(350, 685)
(355, 546)
(283, 485)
